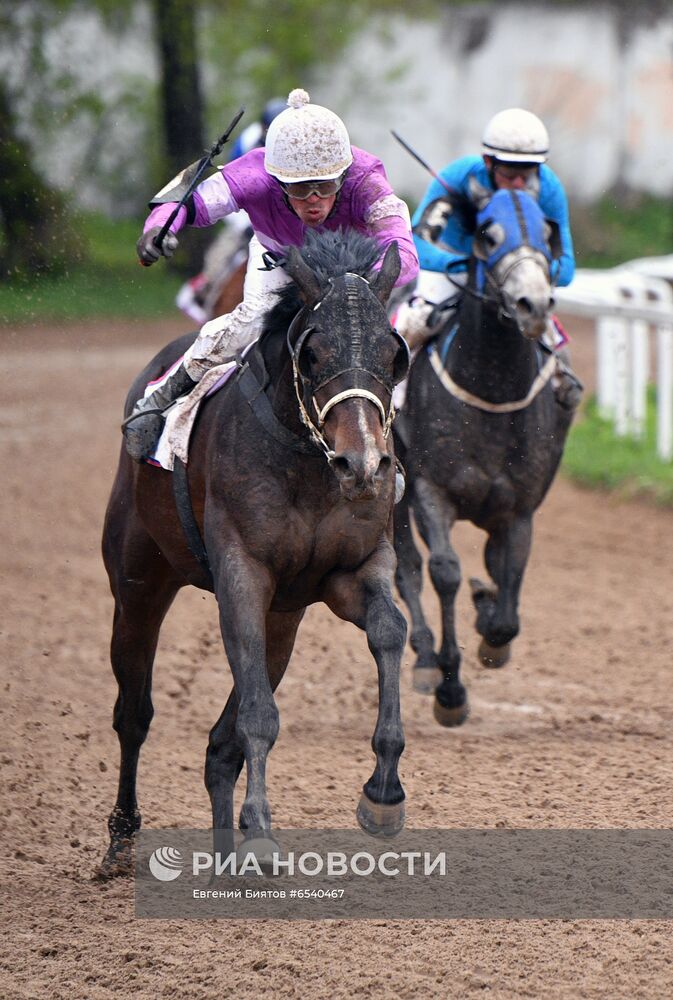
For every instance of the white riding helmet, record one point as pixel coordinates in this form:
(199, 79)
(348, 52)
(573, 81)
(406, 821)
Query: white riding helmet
(516, 136)
(306, 142)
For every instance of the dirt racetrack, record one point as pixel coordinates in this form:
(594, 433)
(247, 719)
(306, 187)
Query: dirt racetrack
(574, 732)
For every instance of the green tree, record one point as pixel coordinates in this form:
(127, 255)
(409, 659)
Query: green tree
(36, 229)
(34, 233)
(180, 85)
(36, 237)
(264, 49)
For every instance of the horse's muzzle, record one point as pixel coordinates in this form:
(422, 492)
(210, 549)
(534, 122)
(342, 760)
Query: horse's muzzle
(362, 476)
(532, 316)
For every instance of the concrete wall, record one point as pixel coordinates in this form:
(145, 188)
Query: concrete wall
(603, 86)
(602, 82)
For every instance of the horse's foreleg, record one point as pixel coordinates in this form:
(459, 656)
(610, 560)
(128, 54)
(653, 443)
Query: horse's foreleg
(436, 516)
(225, 757)
(140, 607)
(365, 598)
(506, 555)
(244, 589)
(409, 580)
(224, 761)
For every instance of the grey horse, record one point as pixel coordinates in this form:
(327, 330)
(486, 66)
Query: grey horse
(482, 436)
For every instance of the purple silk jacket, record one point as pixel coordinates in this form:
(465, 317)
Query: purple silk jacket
(366, 202)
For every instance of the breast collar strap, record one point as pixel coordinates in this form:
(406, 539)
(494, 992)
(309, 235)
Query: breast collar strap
(470, 399)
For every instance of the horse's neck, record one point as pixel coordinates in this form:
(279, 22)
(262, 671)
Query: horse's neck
(281, 390)
(488, 356)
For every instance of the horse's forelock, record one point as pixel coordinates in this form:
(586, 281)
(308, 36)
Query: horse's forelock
(329, 255)
(333, 254)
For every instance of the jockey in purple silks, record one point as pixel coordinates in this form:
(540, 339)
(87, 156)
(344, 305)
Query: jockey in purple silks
(307, 176)
(197, 298)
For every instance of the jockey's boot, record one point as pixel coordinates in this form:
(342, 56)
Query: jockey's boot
(142, 429)
(567, 387)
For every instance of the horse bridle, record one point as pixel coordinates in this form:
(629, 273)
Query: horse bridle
(306, 392)
(494, 284)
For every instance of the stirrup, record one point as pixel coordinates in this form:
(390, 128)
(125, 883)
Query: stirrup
(142, 436)
(140, 413)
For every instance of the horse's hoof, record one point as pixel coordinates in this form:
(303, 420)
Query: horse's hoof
(265, 851)
(481, 590)
(426, 679)
(451, 717)
(378, 819)
(119, 862)
(494, 656)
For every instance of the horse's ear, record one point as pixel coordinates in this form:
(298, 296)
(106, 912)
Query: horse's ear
(302, 275)
(384, 282)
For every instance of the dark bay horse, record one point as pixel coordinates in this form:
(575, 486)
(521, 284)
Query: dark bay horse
(483, 437)
(230, 292)
(291, 475)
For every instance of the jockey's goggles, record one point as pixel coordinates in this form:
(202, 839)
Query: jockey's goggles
(301, 190)
(510, 171)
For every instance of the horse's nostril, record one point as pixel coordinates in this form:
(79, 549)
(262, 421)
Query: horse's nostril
(525, 305)
(361, 470)
(341, 465)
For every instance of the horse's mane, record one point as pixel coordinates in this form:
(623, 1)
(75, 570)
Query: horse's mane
(329, 255)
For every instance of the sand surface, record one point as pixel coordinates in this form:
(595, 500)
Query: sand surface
(574, 732)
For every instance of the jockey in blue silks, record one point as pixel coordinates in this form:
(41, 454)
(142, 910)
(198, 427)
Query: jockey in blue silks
(515, 145)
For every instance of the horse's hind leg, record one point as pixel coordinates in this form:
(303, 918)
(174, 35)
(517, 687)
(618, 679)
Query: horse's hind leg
(225, 757)
(435, 516)
(143, 593)
(506, 554)
(409, 580)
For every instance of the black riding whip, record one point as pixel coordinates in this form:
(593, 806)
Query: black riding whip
(201, 168)
(419, 159)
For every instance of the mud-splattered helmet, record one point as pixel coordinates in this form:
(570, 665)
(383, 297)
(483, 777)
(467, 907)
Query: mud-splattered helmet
(306, 142)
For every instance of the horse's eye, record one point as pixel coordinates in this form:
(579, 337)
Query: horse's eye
(494, 236)
(488, 238)
(310, 355)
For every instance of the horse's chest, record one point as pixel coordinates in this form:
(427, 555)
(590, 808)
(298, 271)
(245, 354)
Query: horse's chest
(491, 469)
(341, 540)
(307, 553)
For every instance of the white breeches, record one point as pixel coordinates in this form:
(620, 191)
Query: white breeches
(220, 339)
(434, 286)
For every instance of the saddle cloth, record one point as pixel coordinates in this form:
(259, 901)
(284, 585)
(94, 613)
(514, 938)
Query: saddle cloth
(179, 418)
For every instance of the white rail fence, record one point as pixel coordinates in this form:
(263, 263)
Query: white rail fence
(628, 302)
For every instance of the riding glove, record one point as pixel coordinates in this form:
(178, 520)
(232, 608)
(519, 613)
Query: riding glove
(147, 249)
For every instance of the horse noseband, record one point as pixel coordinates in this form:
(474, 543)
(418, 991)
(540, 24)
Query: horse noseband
(305, 391)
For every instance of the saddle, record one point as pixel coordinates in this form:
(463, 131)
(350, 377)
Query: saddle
(180, 417)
